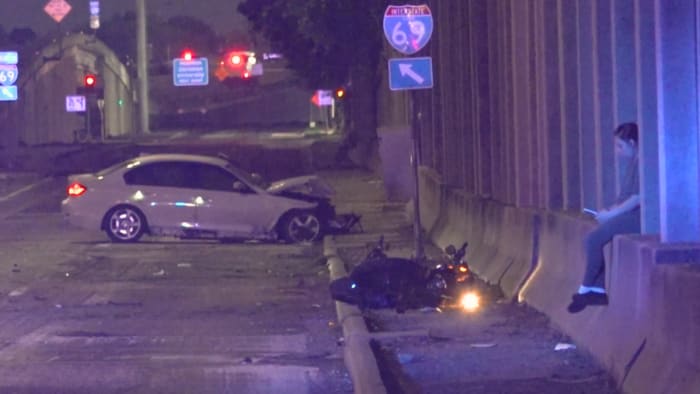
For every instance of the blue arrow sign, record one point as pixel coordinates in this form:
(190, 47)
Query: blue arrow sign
(9, 57)
(8, 74)
(411, 73)
(193, 72)
(8, 93)
(408, 28)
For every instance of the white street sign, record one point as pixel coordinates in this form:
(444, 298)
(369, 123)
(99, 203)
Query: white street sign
(75, 104)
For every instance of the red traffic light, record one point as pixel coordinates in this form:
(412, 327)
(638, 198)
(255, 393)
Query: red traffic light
(90, 81)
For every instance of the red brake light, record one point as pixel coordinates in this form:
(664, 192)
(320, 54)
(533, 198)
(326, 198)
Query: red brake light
(76, 190)
(236, 59)
(463, 269)
(246, 75)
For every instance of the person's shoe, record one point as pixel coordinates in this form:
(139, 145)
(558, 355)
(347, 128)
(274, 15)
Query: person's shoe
(579, 302)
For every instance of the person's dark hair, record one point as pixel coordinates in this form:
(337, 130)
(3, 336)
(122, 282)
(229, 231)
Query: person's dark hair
(627, 132)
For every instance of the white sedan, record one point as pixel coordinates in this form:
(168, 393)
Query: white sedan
(193, 196)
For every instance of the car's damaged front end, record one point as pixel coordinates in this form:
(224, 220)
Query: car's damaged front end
(312, 188)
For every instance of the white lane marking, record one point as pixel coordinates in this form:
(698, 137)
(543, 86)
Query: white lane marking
(24, 189)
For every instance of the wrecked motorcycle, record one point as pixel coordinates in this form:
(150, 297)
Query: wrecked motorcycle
(380, 281)
(452, 275)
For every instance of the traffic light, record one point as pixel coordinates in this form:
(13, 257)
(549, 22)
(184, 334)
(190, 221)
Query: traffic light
(90, 81)
(90, 87)
(340, 93)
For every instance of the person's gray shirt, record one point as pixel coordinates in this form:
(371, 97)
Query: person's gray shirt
(630, 182)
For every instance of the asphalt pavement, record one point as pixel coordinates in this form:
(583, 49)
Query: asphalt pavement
(501, 348)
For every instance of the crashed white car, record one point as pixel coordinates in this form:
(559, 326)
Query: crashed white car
(193, 196)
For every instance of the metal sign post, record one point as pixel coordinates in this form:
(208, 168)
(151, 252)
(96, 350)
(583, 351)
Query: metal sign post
(408, 29)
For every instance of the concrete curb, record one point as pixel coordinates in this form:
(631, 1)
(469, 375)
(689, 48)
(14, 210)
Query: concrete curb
(358, 354)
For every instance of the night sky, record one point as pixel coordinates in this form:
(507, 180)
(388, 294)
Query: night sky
(219, 14)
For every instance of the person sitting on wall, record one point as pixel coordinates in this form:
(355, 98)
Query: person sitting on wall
(621, 218)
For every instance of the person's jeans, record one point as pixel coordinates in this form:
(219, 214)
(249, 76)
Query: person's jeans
(626, 223)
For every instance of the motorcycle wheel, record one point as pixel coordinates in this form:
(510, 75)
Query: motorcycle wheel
(439, 284)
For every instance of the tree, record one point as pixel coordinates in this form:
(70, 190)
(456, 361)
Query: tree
(22, 36)
(3, 36)
(328, 44)
(181, 32)
(166, 38)
(119, 34)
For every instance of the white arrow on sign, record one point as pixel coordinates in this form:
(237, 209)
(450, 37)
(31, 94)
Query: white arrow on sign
(407, 69)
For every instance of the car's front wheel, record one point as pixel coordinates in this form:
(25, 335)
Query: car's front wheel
(300, 227)
(125, 224)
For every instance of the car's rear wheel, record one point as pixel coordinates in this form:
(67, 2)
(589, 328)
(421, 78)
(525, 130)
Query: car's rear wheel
(125, 224)
(300, 227)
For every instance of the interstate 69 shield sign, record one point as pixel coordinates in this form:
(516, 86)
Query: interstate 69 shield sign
(408, 27)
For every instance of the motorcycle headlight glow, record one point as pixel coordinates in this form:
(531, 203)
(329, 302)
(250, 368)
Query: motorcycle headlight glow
(470, 301)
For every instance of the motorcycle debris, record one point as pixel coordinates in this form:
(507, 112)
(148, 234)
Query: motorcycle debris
(18, 292)
(482, 345)
(159, 273)
(564, 346)
(15, 268)
(184, 265)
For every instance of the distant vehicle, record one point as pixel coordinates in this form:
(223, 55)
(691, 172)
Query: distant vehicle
(193, 196)
(238, 66)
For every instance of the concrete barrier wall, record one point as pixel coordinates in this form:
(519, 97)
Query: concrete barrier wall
(649, 335)
(431, 199)
(500, 237)
(663, 292)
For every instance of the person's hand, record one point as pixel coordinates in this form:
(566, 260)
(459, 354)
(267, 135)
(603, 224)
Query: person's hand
(603, 216)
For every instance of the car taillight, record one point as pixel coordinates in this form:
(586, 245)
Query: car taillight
(76, 190)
